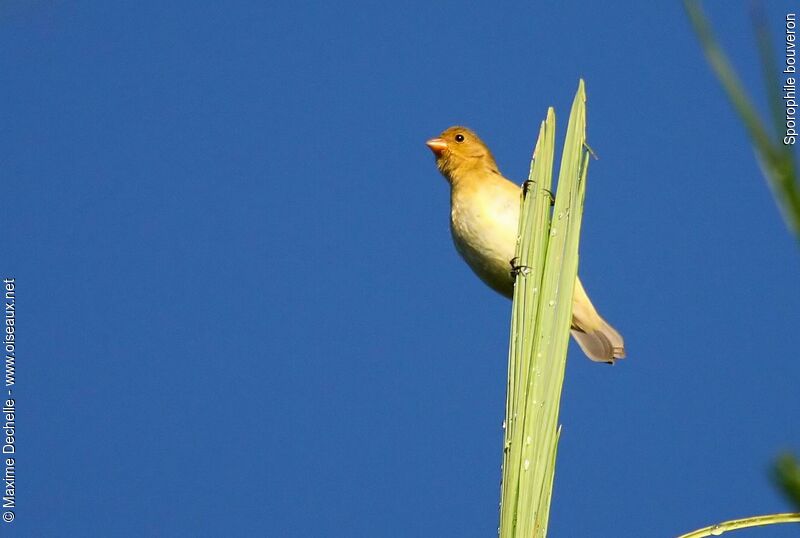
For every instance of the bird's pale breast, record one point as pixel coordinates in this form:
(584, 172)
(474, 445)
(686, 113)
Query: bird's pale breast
(483, 221)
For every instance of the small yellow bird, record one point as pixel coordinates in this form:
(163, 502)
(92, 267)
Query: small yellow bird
(484, 212)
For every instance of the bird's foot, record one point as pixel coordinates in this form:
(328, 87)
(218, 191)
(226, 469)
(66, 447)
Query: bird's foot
(518, 269)
(526, 185)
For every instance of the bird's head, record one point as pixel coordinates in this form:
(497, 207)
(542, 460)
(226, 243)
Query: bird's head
(459, 152)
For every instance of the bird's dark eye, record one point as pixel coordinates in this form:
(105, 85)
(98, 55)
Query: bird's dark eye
(459, 138)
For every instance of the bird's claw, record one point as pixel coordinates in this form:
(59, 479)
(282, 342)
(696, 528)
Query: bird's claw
(526, 185)
(517, 269)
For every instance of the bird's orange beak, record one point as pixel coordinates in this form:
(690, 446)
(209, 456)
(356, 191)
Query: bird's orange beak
(437, 145)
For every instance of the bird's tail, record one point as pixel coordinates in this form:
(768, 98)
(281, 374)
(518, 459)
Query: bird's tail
(603, 345)
(596, 337)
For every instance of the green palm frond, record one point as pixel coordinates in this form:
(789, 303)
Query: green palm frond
(546, 267)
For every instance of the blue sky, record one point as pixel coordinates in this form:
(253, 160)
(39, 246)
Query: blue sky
(240, 312)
